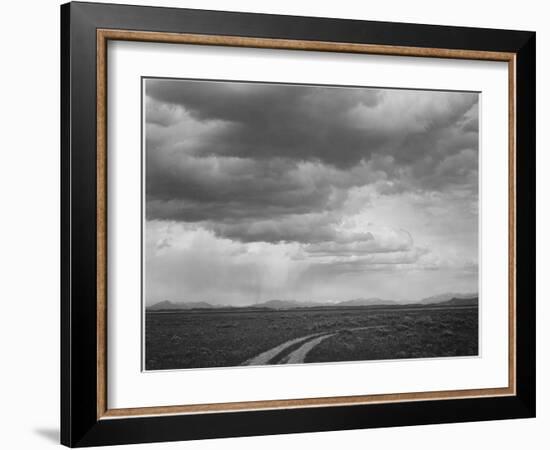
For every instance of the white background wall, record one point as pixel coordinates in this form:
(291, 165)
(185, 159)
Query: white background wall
(29, 241)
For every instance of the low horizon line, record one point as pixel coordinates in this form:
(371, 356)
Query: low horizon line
(325, 302)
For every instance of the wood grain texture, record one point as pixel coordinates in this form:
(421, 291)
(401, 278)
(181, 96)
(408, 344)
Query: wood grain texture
(103, 35)
(512, 350)
(307, 402)
(101, 223)
(238, 41)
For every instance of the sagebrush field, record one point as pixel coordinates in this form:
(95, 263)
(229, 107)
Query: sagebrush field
(234, 337)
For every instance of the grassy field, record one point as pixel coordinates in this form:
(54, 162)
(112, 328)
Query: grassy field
(224, 338)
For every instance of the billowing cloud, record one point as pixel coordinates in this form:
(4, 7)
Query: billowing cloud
(328, 182)
(340, 126)
(192, 188)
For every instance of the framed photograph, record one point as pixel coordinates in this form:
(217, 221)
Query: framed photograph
(276, 224)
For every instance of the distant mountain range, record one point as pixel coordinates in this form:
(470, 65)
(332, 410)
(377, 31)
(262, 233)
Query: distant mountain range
(453, 299)
(367, 302)
(180, 305)
(445, 298)
(287, 304)
(459, 302)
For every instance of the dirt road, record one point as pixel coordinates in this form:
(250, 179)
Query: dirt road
(298, 355)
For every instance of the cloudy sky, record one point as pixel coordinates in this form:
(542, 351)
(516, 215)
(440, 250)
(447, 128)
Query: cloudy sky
(269, 191)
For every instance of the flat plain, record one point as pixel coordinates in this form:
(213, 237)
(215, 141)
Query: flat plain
(228, 337)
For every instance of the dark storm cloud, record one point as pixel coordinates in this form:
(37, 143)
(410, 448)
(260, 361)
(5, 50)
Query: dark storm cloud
(220, 181)
(288, 121)
(193, 189)
(258, 162)
(255, 102)
(311, 228)
(339, 126)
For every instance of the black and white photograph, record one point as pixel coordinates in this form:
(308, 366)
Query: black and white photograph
(290, 224)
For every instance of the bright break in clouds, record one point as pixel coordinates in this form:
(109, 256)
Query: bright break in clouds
(260, 191)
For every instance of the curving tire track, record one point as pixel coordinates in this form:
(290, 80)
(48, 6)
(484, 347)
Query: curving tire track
(298, 355)
(266, 357)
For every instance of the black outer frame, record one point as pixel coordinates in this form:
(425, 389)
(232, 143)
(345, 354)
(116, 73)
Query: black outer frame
(79, 424)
